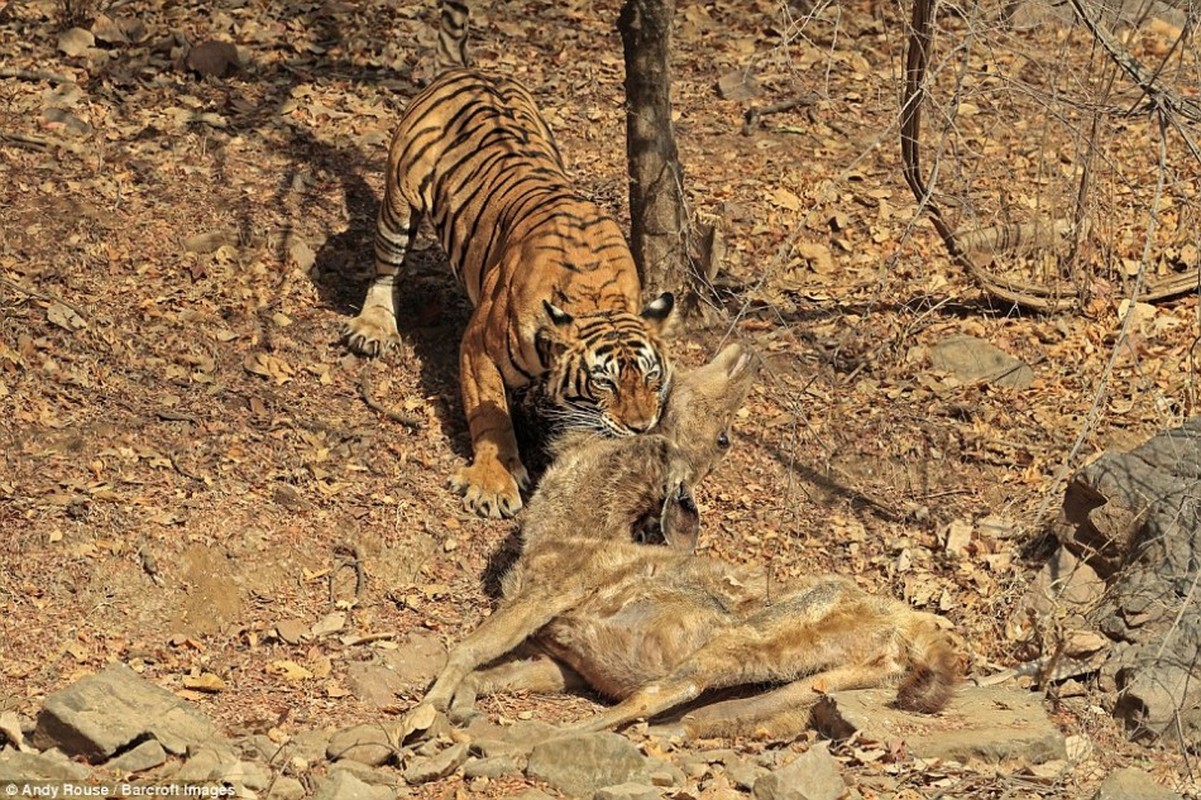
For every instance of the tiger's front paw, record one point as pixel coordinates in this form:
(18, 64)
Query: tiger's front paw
(489, 489)
(373, 332)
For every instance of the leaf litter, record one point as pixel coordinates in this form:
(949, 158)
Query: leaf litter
(171, 296)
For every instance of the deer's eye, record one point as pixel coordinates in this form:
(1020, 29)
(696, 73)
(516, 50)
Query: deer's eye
(723, 440)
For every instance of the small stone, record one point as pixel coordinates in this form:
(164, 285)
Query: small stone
(215, 59)
(493, 767)
(667, 775)
(19, 767)
(286, 788)
(974, 360)
(214, 761)
(344, 785)
(147, 755)
(1132, 783)
(371, 744)
(374, 684)
(627, 791)
(743, 774)
(738, 85)
(76, 41)
(580, 764)
(436, 767)
(813, 775)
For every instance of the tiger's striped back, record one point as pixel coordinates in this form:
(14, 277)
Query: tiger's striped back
(554, 285)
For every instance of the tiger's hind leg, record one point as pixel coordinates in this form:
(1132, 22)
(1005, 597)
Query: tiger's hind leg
(373, 332)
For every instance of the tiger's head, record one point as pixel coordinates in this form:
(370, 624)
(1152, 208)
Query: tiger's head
(606, 369)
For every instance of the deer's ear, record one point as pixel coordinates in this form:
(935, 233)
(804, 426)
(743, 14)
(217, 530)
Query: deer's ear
(658, 312)
(737, 361)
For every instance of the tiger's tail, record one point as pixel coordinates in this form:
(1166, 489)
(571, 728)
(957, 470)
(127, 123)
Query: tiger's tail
(453, 25)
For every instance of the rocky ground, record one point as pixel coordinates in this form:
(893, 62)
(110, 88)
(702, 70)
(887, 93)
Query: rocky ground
(200, 484)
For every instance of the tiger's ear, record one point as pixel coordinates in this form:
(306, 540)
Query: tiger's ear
(557, 315)
(658, 312)
(551, 340)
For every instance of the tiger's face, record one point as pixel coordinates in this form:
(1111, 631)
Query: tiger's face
(607, 370)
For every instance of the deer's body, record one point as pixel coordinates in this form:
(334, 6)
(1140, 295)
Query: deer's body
(654, 627)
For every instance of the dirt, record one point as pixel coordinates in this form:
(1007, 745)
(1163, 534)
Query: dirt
(188, 458)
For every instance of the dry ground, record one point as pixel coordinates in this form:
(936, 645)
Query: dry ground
(188, 459)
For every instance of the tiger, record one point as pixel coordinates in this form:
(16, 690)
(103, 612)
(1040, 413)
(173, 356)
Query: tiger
(553, 283)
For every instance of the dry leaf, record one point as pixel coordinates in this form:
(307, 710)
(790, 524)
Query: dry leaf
(289, 670)
(204, 682)
(784, 199)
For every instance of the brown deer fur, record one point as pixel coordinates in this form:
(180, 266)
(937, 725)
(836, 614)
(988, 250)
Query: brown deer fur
(655, 627)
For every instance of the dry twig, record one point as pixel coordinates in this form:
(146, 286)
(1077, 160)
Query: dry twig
(408, 420)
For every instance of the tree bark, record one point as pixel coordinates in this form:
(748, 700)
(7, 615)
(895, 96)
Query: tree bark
(659, 229)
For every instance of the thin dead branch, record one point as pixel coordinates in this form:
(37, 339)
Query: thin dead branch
(408, 420)
(36, 75)
(753, 116)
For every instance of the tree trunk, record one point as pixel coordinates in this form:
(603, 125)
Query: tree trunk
(659, 229)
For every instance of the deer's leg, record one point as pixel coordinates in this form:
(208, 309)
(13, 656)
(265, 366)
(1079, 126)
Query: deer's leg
(538, 673)
(778, 713)
(508, 627)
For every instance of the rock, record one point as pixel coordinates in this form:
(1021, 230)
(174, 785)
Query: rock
(499, 748)
(743, 774)
(106, 30)
(20, 767)
(718, 789)
(104, 713)
(627, 791)
(372, 744)
(1134, 518)
(309, 745)
(286, 788)
(12, 731)
(493, 767)
(73, 125)
(531, 794)
(1133, 784)
(813, 775)
(290, 630)
(666, 774)
(215, 59)
(374, 684)
(973, 360)
(76, 41)
(424, 770)
(148, 755)
(991, 724)
(579, 764)
(1064, 584)
(209, 762)
(416, 662)
(738, 85)
(369, 775)
(343, 785)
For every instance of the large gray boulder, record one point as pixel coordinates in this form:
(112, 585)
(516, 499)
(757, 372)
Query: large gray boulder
(1135, 519)
(110, 711)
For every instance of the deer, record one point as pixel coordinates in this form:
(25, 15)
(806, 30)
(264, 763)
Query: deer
(609, 590)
